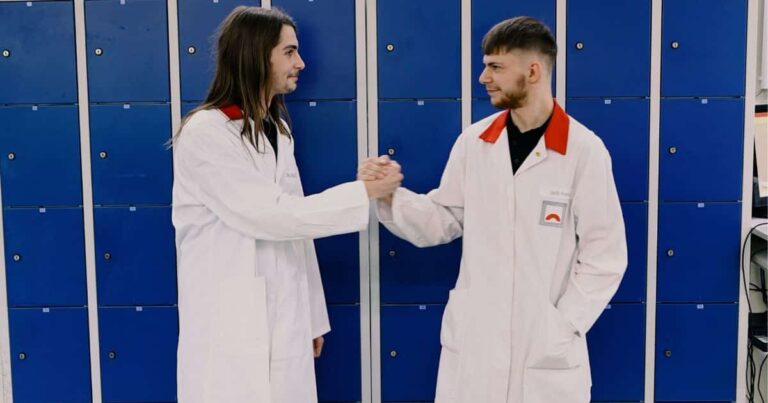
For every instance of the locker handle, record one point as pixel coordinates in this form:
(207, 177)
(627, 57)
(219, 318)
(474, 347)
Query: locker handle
(675, 44)
(579, 45)
(16, 257)
(112, 355)
(191, 50)
(668, 353)
(103, 154)
(670, 252)
(22, 356)
(393, 353)
(107, 256)
(392, 253)
(391, 151)
(99, 51)
(672, 150)
(390, 47)
(6, 53)
(11, 156)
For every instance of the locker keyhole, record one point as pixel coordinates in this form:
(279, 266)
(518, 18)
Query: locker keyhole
(191, 50)
(6, 53)
(391, 151)
(670, 252)
(393, 354)
(107, 256)
(668, 353)
(390, 47)
(98, 51)
(579, 45)
(22, 356)
(392, 253)
(111, 355)
(675, 44)
(16, 257)
(103, 154)
(672, 150)
(11, 156)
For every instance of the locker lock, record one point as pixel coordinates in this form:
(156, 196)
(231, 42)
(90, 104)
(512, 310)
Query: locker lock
(392, 253)
(672, 150)
(107, 256)
(111, 355)
(103, 154)
(675, 44)
(390, 47)
(191, 50)
(99, 52)
(6, 53)
(670, 252)
(393, 354)
(16, 257)
(11, 156)
(667, 353)
(579, 45)
(22, 356)
(391, 151)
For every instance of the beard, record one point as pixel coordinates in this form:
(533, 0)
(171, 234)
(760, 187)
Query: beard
(513, 99)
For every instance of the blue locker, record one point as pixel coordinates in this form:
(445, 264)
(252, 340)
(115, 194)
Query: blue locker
(696, 352)
(37, 65)
(617, 353)
(327, 45)
(410, 351)
(49, 355)
(127, 45)
(702, 143)
(699, 252)
(482, 108)
(487, 13)
(45, 257)
(419, 44)
(130, 159)
(326, 158)
(135, 256)
(187, 107)
(703, 47)
(623, 125)
(614, 35)
(198, 22)
(35, 175)
(338, 369)
(138, 353)
(632, 287)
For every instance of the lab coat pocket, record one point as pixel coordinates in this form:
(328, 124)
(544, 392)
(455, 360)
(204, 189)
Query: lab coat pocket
(557, 349)
(556, 385)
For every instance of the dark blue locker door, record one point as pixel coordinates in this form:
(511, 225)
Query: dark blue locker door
(327, 45)
(487, 13)
(135, 256)
(131, 162)
(703, 47)
(410, 351)
(632, 287)
(419, 45)
(702, 143)
(699, 252)
(138, 353)
(617, 353)
(325, 140)
(623, 125)
(696, 352)
(338, 369)
(45, 257)
(198, 22)
(37, 65)
(608, 48)
(187, 107)
(127, 45)
(49, 355)
(40, 156)
(481, 109)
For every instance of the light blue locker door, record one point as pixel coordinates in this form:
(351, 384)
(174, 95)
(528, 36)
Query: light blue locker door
(419, 45)
(623, 125)
(617, 353)
(338, 369)
(410, 351)
(130, 160)
(49, 355)
(699, 252)
(487, 13)
(45, 257)
(696, 352)
(138, 353)
(325, 147)
(40, 156)
(702, 143)
(608, 48)
(135, 256)
(127, 45)
(198, 22)
(632, 288)
(703, 47)
(327, 45)
(37, 65)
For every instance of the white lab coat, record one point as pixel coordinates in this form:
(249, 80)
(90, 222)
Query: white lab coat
(250, 296)
(529, 287)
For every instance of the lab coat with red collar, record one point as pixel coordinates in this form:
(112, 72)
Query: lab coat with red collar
(544, 251)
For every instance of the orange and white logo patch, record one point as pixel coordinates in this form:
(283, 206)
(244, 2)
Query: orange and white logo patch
(553, 213)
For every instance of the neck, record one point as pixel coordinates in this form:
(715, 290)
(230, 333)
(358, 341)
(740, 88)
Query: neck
(534, 113)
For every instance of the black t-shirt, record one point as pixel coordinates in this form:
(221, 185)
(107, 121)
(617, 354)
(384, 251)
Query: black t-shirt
(521, 144)
(271, 132)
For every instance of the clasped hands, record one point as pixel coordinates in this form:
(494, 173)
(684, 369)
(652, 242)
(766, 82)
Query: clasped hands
(381, 176)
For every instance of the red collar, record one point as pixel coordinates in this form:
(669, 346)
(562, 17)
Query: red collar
(555, 138)
(232, 111)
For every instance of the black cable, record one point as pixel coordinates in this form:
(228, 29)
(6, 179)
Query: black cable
(760, 374)
(741, 263)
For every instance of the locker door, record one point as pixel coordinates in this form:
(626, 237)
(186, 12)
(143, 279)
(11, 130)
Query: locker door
(703, 48)
(40, 156)
(702, 143)
(617, 353)
(632, 287)
(130, 159)
(608, 48)
(699, 252)
(482, 108)
(696, 352)
(327, 45)
(338, 368)
(45, 257)
(198, 22)
(419, 46)
(623, 125)
(410, 351)
(49, 355)
(37, 65)
(135, 256)
(127, 44)
(138, 353)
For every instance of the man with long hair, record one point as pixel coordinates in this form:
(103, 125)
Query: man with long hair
(251, 306)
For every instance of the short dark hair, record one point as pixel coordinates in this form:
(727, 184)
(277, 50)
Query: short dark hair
(525, 33)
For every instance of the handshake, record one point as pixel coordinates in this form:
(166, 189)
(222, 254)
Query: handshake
(381, 176)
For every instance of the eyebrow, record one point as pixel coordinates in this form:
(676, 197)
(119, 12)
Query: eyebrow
(289, 47)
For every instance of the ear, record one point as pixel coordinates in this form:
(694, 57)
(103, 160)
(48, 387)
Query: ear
(535, 71)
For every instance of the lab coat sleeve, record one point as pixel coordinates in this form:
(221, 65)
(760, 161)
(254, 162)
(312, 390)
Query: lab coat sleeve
(318, 310)
(231, 187)
(432, 219)
(601, 249)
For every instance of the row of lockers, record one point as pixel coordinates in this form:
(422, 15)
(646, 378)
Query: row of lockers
(50, 357)
(418, 47)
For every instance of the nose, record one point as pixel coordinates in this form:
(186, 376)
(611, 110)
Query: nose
(484, 76)
(299, 62)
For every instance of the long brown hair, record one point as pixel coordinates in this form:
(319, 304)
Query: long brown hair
(243, 69)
